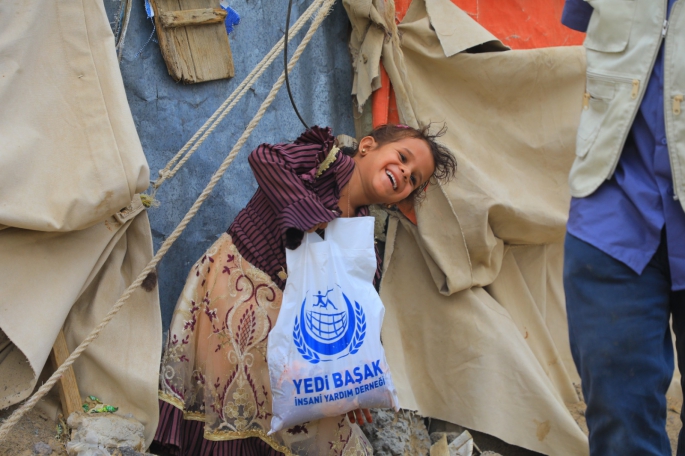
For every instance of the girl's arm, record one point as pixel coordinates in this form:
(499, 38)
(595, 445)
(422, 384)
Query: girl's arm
(277, 169)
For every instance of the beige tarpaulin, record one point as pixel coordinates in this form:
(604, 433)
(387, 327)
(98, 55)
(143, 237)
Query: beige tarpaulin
(475, 329)
(73, 232)
(66, 128)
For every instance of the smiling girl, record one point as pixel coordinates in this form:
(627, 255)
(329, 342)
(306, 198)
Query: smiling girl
(215, 397)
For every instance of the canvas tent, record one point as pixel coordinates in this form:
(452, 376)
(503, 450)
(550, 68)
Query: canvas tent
(75, 232)
(481, 271)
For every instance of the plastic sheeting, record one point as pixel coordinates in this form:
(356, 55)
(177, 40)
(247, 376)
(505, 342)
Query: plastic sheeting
(523, 24)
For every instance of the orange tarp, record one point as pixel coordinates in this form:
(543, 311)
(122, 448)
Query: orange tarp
(523, 24)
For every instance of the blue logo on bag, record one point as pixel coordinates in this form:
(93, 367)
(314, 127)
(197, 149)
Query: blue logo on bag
(325, 330)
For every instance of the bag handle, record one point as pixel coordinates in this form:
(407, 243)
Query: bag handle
(353, 233)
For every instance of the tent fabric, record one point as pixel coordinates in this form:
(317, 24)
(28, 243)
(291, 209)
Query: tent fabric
(65, 123)
(75, 231)
(476, 360)
(373, 21)
(475, 330)
(71, 280)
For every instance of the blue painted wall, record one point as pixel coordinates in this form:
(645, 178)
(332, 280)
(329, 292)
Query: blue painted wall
(167, 114)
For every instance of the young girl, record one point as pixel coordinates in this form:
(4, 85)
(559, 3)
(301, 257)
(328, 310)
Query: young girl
(215, 397)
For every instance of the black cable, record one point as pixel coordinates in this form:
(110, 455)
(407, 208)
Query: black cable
(285, 64)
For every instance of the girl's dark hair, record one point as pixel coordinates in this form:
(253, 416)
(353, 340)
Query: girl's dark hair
(445, 163)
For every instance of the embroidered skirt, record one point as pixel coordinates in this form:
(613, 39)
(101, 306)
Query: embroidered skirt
(215, 396)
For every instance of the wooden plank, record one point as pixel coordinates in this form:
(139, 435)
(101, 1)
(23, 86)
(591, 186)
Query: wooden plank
(200, 16)
(69, 394)
(210, 48)
(193, 53)
(173, 42)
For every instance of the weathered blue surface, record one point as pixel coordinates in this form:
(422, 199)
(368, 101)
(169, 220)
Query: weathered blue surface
(167, 114)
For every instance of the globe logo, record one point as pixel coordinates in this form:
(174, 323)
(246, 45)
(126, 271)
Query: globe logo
(325, 330)
(326, 327)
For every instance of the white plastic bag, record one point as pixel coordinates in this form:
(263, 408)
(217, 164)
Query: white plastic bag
(325, 354)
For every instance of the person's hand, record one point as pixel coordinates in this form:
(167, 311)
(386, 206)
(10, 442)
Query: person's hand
(358, 416)
(318, 226)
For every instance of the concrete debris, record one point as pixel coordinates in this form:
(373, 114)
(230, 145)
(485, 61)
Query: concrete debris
(439, 448)
(461, 445)
(126, 451)
(94, 435)
(42, 449)
(489, 453)
(397, 434)
(450, 436)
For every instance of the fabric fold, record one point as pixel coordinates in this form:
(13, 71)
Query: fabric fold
(479, 276)
(73, 231)
(65, 123)
(80, 275)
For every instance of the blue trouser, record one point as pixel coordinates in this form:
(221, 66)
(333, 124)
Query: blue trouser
(621, 345)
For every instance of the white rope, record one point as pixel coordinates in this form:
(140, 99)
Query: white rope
(167, 172)
(47, 386)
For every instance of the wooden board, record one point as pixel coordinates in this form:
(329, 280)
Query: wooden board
(69, 394)
(194, 53)
(200, 16)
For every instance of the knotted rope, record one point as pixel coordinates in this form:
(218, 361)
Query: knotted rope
(172, 167)
(43, 390)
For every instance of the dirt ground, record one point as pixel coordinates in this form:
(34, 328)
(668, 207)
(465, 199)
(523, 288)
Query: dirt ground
(37, 427)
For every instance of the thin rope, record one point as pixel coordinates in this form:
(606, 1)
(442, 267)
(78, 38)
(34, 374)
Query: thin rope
(47, 386)
(167, 172)
(152, 34)
(285, 65)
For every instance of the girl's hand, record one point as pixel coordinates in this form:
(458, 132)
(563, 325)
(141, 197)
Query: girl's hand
(357, 416)
(318, 226)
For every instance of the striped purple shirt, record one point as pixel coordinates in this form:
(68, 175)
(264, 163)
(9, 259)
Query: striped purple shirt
(290, 199)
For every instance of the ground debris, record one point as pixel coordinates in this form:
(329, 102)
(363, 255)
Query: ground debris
(458, 444)
(42, 449)
(30, 431)
(397, 434)
(97, 434)
(126, 451)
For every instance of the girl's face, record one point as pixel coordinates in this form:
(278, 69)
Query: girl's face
(389, 173)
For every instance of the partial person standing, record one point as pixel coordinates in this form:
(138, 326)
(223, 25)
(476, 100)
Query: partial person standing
(624, 269)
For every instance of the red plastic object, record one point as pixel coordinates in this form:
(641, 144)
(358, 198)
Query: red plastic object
(523, 24)
(380, 100)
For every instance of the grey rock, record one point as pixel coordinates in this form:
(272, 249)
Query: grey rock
(42, 449)
(126, 451)
(397, 434)
(489, 453)
(106, 430)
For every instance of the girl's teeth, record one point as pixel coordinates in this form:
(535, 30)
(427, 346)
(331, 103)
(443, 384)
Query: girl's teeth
(392, 179)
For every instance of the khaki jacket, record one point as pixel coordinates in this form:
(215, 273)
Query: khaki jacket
(623, 39)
